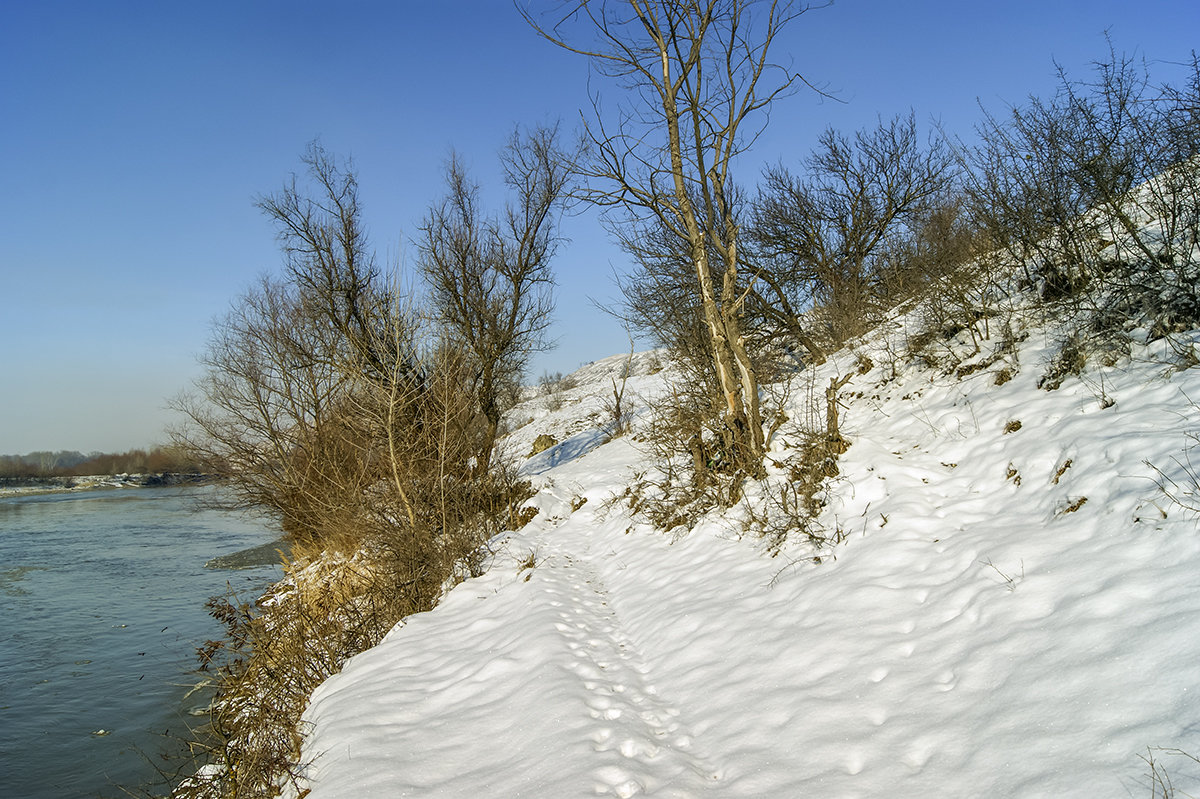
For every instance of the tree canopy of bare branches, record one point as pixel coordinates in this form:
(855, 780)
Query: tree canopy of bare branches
(819, 236)
(490, 278)
(326, 403)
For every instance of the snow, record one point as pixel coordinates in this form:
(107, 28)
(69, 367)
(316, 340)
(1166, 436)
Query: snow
(1013, 612)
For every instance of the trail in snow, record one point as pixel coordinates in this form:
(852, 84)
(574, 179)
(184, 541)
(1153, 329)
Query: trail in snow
(642, 741)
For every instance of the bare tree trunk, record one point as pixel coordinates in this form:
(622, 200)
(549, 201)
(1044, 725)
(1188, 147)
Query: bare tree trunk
(834, 441)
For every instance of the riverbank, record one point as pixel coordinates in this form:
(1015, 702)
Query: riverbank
(24, 486)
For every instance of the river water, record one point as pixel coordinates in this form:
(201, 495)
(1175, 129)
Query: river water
(102, 599)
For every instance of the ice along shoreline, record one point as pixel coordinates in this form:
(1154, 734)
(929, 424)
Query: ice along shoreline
(27, 486)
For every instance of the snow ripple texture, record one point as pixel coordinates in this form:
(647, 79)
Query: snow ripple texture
(1014, 613)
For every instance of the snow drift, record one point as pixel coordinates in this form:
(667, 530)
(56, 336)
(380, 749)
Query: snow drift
(1013, 611)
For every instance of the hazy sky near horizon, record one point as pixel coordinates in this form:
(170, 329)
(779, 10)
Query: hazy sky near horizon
(135, 137)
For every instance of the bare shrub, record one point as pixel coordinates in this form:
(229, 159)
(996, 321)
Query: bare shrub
(553, 387)
(1096, 192)
(1070, 359)
(787, 506)
(274, 654)
(421, 524)
(787, 511)
(1180, 481)
(550, 383)
(781, 507)
(618, 410)
(679, 486)
(1161, 783)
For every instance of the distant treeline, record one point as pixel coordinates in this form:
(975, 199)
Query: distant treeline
(68, 463)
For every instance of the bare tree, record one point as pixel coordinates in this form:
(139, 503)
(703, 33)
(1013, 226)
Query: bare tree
(490, 278)
(328, 404)
(660, 302)
(820, 237)
(700, 81)
(274, 411)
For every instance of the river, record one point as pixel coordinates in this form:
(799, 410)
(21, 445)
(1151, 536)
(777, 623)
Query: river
(102, 606)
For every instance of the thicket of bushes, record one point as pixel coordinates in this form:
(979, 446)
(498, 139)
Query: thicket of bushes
(365, 423)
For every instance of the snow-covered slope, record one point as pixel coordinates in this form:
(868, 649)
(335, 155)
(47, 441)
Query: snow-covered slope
(1015, 611)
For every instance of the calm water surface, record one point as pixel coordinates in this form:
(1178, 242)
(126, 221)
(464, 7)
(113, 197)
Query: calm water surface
(101, 609)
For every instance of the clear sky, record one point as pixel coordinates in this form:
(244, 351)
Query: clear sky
(136, 135)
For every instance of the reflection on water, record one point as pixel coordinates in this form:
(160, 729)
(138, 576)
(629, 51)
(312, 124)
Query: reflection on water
(10, 579)
(102, 595)
(267, 554)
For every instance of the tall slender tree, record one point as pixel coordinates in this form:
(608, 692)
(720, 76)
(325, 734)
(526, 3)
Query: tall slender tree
(700, 81)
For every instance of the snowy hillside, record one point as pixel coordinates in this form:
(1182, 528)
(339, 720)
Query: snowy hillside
(1014, 611)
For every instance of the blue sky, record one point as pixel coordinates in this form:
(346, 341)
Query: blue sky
(136, 135)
